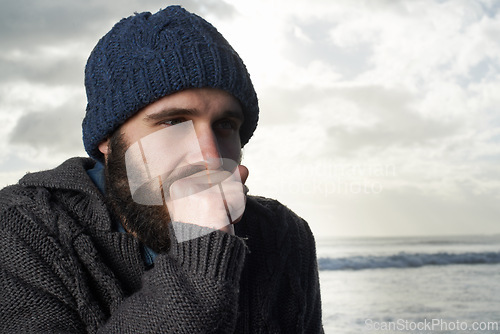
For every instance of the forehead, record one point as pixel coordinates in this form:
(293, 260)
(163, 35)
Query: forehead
(206, 101)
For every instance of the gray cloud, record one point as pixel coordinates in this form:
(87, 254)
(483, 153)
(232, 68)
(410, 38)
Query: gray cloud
(411, 211)
(281, 106)
(29, 23)
(214, 8)
(26, 26)
(468, 213)
(348, 62)
(68, 71)
(58, 130)
(397, 123)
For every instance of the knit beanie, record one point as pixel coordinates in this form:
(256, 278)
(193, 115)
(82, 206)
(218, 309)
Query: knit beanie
(145, 57)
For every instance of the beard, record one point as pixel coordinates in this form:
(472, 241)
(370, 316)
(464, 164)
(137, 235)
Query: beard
(148, 223)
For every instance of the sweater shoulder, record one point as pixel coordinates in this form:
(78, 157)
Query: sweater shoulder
(63, 177)
(275, 222)
(273, 210)
(52, 201)
(16, 200)
(15, 195)
(28, 214)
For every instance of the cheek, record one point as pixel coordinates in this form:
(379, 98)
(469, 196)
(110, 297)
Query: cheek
(230, 148)
(133, 130)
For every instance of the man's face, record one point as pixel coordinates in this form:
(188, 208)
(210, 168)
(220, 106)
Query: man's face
(214, 118)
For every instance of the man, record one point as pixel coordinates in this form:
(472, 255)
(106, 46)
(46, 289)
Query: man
(149, 234)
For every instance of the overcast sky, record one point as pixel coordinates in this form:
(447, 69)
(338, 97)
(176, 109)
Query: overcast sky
(377, 117)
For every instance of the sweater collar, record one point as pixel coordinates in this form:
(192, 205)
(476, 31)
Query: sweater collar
(97, 176)
(70, 175)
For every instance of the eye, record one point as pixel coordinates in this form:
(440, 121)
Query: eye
(226, 125)
(173, 121)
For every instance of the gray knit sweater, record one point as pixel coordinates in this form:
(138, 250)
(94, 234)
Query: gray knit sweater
(63, 269)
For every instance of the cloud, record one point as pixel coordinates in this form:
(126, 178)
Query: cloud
(358, 117)
(393, 122)
(308, 40)
(30, 23)
(411, 211)
(211, 9)
(56, 131)
(424, 43)
(49, 41)
(42, 67)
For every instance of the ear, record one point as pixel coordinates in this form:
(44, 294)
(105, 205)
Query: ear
(104, 147)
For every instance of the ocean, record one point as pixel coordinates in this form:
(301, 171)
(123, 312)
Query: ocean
(411, 284)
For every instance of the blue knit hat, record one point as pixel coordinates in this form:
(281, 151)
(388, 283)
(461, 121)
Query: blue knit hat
(145, 57)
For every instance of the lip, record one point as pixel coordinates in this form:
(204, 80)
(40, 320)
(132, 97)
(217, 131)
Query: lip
(209, 177)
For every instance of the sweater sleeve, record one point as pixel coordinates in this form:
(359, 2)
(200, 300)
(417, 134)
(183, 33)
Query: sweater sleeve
(35, 286)
(305, 266)
(193, 289)
(313, 312)
(284, 257)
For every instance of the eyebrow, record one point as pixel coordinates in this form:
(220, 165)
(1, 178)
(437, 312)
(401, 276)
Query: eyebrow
(175, 112)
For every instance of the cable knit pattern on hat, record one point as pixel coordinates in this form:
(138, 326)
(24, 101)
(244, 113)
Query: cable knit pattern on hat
(145, 57)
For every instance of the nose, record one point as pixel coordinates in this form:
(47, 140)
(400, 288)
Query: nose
(209, 148)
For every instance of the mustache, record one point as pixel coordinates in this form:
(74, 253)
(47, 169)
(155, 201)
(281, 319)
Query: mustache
(156, 190)
(227, 165)
(180, 173)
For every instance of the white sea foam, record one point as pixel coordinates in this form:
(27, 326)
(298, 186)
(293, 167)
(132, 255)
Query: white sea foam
(407, 260)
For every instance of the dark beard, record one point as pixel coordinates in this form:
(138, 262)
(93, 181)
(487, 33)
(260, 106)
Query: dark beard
(149, 223)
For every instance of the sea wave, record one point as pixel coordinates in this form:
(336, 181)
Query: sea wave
(407, 260)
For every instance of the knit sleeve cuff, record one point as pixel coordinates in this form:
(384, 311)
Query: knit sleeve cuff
(207, 252)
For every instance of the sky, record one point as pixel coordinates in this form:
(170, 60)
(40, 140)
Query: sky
(378, 117)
